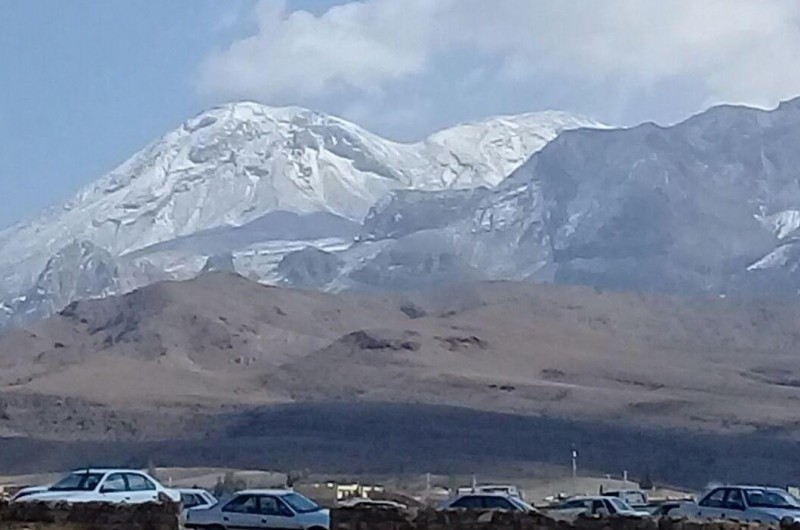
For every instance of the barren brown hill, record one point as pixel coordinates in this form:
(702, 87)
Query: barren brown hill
(482, 377)
(222, 343)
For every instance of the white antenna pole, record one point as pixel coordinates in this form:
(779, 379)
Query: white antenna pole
(575, 471)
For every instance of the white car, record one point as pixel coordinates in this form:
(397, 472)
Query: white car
(361, 502)
(261, 509)
(635, 498)
(743, 503)
(602, 506)
(196, 499)
(489, 501)
(104, 485)
(508, 489)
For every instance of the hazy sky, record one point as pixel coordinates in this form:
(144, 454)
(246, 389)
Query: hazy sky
(86, 83)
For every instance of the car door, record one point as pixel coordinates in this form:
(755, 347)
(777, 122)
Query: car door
(712, 506)
(140, 488)
(114, 488)
(276, 515)
(735, 507)
(242, 513)
(600, 507)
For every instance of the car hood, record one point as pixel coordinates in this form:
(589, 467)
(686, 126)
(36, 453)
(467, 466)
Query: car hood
(57, 496)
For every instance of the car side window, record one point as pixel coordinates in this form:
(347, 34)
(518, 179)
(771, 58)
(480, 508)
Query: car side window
(114, 483)
(188, 500)
(242, 504)
(715, 499)
(497, 503)
(598, 505)
(138, 482)
(734, 500)
(268, 506)
(469, 502)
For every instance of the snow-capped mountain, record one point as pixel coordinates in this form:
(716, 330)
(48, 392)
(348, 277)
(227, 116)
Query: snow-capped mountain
(243, 164)
(709, 205)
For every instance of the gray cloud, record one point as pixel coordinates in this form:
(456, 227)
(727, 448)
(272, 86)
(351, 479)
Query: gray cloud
(408, 65)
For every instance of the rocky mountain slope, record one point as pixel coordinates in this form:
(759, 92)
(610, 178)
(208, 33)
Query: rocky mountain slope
(79, 271)
(220, 365)
(249, 164)
(708, 205)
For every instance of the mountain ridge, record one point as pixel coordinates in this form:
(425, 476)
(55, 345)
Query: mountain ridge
(236, 162)
(705, 206)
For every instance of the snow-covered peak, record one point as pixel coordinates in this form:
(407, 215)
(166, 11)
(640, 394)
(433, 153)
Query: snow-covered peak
(240, 161)
(485, 152)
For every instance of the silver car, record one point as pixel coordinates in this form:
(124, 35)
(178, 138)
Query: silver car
(480, 500)
(599, 505)
(743, 503)
(195, 499)
(261, 509)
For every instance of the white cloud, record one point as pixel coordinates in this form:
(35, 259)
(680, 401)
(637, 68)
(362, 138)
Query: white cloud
(357, 46)
(724, 50)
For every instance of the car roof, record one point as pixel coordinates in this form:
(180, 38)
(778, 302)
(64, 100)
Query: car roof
(105, 470)
(191, 490)
(745, 487)
(265, 492)
(482, 493)
(586, 498)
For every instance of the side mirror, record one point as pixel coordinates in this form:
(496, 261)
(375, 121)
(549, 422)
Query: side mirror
(286, 512)
(602, 512)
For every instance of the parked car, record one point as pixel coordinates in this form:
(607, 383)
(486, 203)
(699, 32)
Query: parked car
(261, 509)
(508, 489)
(743, 503)
(195, 498)
(666, 508)
(104, 485)
(488, 501)
(635, 498)
(600, 505)
(371, 503)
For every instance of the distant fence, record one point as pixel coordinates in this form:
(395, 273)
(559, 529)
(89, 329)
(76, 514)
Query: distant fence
(89, 516)
(428, 519)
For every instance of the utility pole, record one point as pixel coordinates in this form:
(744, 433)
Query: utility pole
(574, 470)
(625, 478)
(427, 485)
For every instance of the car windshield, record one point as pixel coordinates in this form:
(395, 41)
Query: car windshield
(300, 504)
(771, 499)
(620, 505)
(78, 482)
